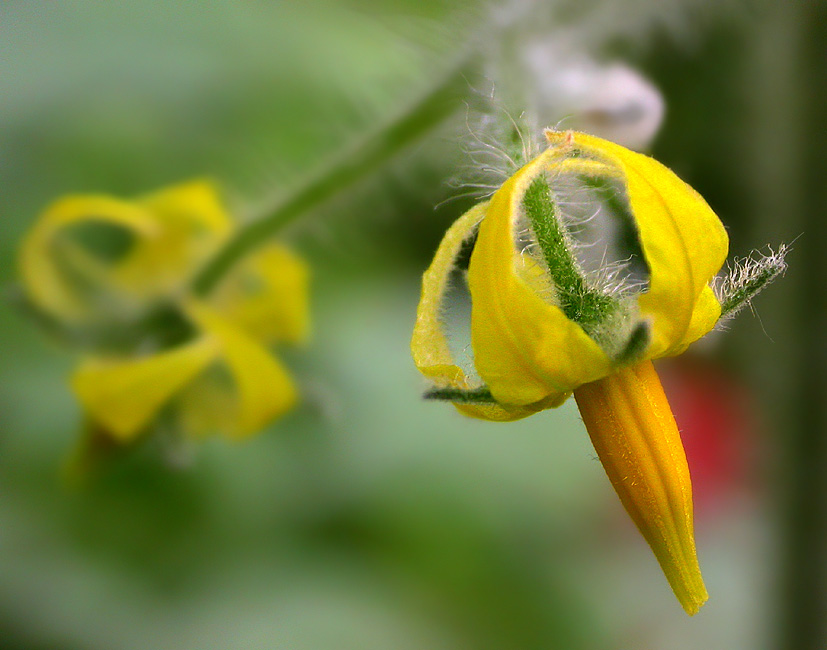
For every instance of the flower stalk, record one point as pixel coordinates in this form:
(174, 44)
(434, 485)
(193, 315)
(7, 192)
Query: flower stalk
(352, 164)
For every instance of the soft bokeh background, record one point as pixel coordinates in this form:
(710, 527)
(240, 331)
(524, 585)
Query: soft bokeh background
(368, 518)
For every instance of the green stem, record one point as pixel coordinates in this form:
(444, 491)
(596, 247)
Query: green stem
(579, 302)
(345, 169)
(462, 396)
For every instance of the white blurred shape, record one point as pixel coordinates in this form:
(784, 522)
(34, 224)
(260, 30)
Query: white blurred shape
(612, 101)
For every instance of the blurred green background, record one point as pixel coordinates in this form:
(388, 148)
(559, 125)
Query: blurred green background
(368, 518)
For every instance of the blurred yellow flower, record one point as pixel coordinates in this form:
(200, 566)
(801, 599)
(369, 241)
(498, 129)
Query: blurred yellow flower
(542, 328)
(93, 258)
(96, 261)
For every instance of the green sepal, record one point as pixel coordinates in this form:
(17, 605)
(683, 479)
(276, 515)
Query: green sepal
(461, 396)
(748, 278)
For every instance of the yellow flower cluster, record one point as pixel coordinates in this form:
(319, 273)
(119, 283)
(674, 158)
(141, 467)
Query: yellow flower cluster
(103, 265)
(533, 345)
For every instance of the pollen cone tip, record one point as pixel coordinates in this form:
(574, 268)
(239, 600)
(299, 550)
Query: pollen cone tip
(692, 600)
(693, 605)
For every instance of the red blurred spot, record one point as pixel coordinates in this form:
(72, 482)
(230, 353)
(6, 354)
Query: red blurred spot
(716, 417)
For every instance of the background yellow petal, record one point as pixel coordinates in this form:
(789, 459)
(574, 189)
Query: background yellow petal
(196, 204)
(124, 396)
(174, 230)
(683, 240)
(46, 283)
(525, 348)
(264, 389)
(209, 403)
(191, 224)
(267, 295)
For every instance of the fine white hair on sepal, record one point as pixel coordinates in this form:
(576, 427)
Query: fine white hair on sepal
(747, 277)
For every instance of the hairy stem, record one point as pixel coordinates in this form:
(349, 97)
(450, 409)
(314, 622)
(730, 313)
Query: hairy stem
(579, 302)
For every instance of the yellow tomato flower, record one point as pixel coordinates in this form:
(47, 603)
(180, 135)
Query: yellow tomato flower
(542, 328)
(205, 363)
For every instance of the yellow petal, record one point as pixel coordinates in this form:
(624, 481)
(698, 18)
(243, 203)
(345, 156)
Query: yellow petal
(429, 346)
(525, 348)
(267, 295)
(191, 224)
(683, 241)
(634, 433)
(124, 396)
(209, 403)
(175, 230)
(196, 204)
(263, 388)
(705, 314)
(45, 282)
